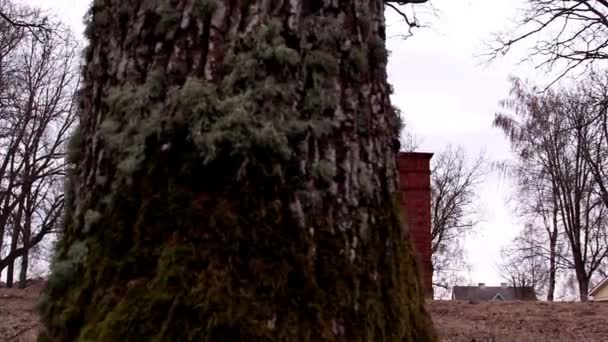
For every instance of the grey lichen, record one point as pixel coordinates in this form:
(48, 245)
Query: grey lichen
(77, 252)
(204, 9)
(365, 181)
(168, 16)
(62, 274)
(91, 217)
(65, 269)
(74, 146)
(319, 60)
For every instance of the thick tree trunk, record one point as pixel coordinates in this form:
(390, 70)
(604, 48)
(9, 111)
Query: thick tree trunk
(583, 290)
(235, 179)
(10, 269)
(552, 274)
(23, 270)
(581, 277)
(27, 227)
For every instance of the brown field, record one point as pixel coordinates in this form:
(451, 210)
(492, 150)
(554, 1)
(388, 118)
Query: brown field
(18, 319)
(455, 321)
(520, 321)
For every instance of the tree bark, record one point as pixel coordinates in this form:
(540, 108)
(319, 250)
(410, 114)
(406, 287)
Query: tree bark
(10, 269)
(552, 269)
(23, 270)
(583, 289)
(553, 235)
(234, 179)
(17, 230)
(27, 229)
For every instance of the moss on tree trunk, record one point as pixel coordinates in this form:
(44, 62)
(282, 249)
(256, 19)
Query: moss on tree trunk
(233, 178)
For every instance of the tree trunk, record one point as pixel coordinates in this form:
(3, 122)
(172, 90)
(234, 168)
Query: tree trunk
(581, 278)
(234, 179)
(27, 227)
(10, 269)
(553, 235)
(23, 270)
(552, 274)
(583, 289)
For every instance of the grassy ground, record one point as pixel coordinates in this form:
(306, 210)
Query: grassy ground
(18, 318)
(455, 321)
(521, 321)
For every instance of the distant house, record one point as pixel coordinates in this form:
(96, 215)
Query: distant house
(485, 293)
(599, 292)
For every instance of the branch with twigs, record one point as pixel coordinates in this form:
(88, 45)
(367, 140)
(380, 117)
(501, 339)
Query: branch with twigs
(568, 33)
(26, 19)
(411, 20)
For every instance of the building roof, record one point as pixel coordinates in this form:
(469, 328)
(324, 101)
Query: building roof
(493, 293)
(420, 155)
(599, 286)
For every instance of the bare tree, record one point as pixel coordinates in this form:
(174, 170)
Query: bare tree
(523, 262)
(24, 18)
(454, 181)
(542, 133)
(592, 120)
(568, 33)
(536, 203)
(36, 116)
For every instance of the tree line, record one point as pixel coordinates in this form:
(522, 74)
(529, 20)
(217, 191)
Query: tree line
(559, 135)
(560, 139)
(39, 65)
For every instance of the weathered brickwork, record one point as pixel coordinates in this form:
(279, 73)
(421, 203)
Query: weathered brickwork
(415, 185)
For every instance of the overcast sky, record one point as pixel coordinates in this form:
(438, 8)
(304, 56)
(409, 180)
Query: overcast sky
(447, 95)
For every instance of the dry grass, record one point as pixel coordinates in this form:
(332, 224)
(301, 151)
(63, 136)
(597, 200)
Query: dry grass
(459, 321)
(456, 321)
(18, 318)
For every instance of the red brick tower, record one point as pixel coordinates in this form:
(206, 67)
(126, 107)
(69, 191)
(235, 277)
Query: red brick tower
(415, 184)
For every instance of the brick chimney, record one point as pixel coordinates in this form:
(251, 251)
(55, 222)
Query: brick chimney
(415, 184)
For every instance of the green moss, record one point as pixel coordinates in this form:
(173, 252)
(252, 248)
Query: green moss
(62, 274)
(378, 54)
(190, 285)
(168, 18)
(330, 33)
(318, 60)
(326, 171)
(358, 62)
(204, 9)
(65, 269)
(77, 252)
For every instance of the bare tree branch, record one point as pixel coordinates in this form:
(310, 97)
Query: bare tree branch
(553, 135)
(568, 33)
(454, 183)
